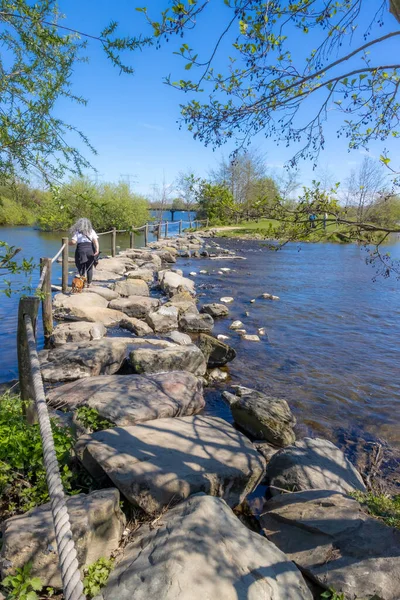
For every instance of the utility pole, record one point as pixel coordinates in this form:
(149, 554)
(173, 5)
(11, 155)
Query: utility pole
(127, 177)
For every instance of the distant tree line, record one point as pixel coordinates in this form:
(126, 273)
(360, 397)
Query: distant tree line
(106, 205)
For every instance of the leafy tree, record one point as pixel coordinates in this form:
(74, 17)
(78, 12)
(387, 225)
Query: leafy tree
(267, 83)
(38, 60)
(216, 202)
(187, 183)
(106, 205)
(41, 57)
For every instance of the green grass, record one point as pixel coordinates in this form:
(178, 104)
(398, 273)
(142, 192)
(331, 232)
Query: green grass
(379, 505)
(268, 227)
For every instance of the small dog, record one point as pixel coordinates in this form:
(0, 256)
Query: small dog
(78, 283)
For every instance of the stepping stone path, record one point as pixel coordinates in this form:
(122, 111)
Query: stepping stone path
(148, 383)
(167, 460)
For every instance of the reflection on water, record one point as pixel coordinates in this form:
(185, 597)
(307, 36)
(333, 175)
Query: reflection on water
(332, 340)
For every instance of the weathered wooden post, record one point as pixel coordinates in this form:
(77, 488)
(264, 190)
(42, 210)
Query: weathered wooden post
(132, 239)
(47, 308)
(27, 306)
(158, 231)
(146, 234)
(64, 265)
(180, 227)
(166, 229)
(113, 242)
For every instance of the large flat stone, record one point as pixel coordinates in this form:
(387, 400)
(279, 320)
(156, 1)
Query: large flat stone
(131, 399)
(135, 306)
(65, 301)
(105, 292)
(83, 359)
(329, 536)
(103, 275)
(182, 358)
(131, 287)
(85, 307)
(145, 274)
(167, 460)
(77, 332)
(97, 526)
(263, 417)
(201, 551)
(313, 464)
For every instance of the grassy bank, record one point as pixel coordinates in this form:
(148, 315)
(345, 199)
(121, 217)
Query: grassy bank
(267, 229)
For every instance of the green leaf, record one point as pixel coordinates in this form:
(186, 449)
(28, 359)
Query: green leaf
(36, 583)
(188, 66)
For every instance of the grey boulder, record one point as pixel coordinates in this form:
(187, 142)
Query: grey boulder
(77, 332)
(86, 307)
(135, 306)
(144, 274)
(83, 359)
(174, 358)
(131, 399)
(104, 292)
(313, 464)
(195, 322)
(172, 283)
(216, 352)
(164, 319)
(163, 461)
(131, 287)
(200, 550)
(136, 326)
(329, 536)
(179, 338)
(215, 310)
(261, 416)
(97, 526)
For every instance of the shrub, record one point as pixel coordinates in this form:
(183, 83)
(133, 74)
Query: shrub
(22, 475)
(96, 576)
(91, 419)
(12, 213)
(379, 505)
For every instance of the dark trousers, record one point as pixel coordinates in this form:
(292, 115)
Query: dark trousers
(84, 259)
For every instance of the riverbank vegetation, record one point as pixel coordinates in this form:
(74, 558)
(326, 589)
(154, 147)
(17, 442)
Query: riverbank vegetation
(106, 205)
(22, 474)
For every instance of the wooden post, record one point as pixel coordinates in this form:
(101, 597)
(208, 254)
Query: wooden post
(158, 230)
(146, 235)
(207, 223)
(27, 306)
(180, 227)
(132, 239)
(65, 266)
(113, 242)
(47, 308)
(166, 229)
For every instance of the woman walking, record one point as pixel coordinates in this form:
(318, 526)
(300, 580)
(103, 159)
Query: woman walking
(87, 247)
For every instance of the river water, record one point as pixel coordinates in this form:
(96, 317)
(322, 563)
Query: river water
(332, 343)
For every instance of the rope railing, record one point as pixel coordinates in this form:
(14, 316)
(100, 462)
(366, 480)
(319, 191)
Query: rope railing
(68, 562)
(53, 260)
(41, 280)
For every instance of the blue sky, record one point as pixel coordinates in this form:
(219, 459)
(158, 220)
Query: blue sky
(132, 120)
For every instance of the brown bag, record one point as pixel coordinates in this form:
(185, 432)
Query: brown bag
(78, 283)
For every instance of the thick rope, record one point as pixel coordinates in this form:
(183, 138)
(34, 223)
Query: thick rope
(70, 575)
(53, 260)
